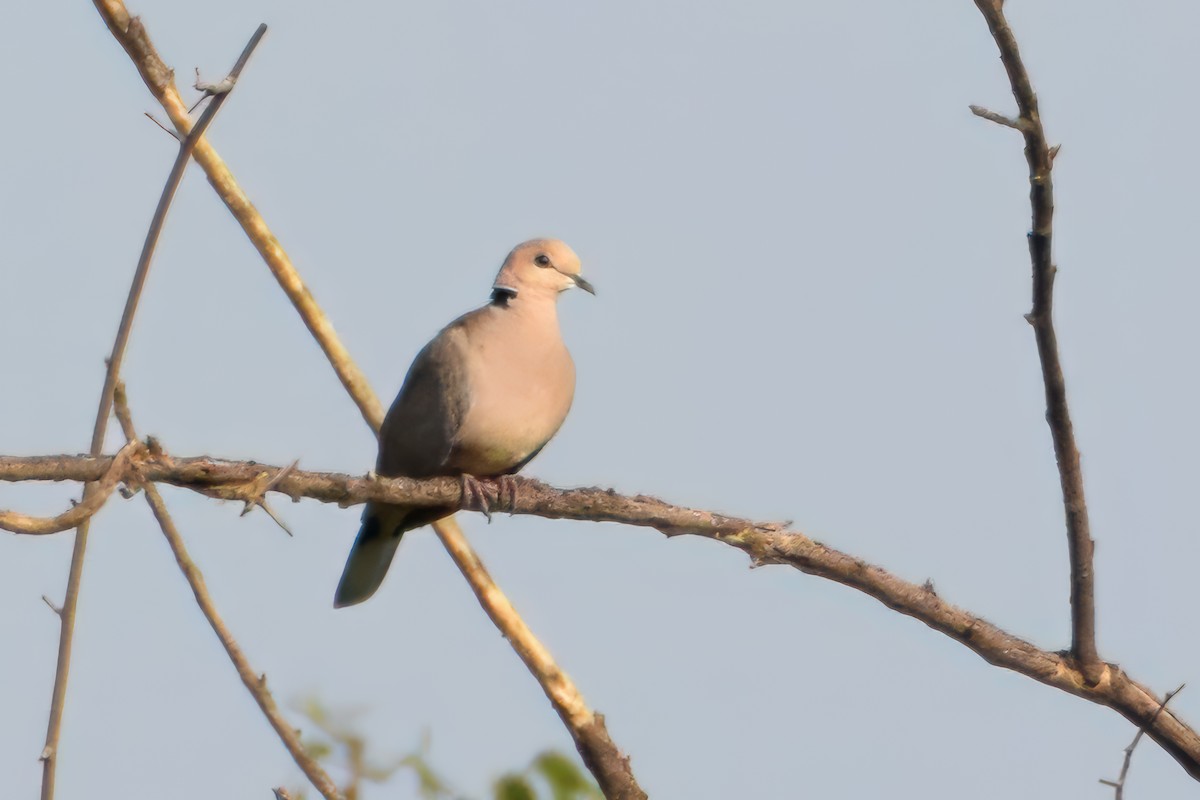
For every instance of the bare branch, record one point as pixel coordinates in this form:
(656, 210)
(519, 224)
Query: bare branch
(1119, 784)
(255, 683)
(764, 542)
(160, 81)
(1041, 197)
(587, 728)
(75, 572)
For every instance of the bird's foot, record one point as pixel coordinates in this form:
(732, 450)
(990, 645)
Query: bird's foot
(488, 493)
(475, 496)
(506, 492)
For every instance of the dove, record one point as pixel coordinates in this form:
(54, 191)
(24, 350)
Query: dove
(480, 400)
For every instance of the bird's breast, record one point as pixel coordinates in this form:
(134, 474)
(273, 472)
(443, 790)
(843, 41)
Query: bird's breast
(515, 406)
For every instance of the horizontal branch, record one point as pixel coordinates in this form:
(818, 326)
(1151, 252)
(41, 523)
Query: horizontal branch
(244, 480)
(765, 543)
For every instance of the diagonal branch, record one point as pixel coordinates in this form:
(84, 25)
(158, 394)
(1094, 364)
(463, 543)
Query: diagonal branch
(254, 682)
(765, 543)
(159, 79)
(600, 754)
(49, 755)
(1040, 157)
(587, 728)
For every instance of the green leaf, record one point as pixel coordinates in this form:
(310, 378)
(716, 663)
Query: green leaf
(318, 749)
(431, 786)
(514, 787)
(566, 780)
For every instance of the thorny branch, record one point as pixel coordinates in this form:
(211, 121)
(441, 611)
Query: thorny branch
(187, 144)
(1040, 157)
(764, 542)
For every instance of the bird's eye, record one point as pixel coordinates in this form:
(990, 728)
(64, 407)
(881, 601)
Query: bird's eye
(542, 260)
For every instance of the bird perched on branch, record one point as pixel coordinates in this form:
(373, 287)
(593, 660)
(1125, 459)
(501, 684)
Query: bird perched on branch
(479, 401)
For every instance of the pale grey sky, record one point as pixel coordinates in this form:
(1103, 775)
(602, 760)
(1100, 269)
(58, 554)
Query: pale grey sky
(812, 271)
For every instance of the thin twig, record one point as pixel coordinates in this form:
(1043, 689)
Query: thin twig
(254, 682)
(1041, 198)
(763, 542)
(75, 572)
(1119, 784)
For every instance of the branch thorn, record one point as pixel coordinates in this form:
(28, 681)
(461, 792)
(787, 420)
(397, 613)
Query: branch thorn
(256, 491)
(170, 133)
(1016, 123)
(57, 610)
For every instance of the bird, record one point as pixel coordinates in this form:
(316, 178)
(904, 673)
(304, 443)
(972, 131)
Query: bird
(480, 400)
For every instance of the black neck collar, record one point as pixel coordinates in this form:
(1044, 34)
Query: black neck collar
(502, 294)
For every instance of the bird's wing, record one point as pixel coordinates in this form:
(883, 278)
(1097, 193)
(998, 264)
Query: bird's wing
(420, 428)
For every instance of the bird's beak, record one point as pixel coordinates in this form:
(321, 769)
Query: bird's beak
(583, 284)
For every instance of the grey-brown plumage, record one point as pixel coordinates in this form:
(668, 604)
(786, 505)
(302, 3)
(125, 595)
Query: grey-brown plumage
(481, 399)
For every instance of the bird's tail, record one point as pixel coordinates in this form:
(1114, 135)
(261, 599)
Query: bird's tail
(378, 538)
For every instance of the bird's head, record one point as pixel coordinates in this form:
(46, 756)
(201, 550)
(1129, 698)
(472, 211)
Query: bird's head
(541, 267)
